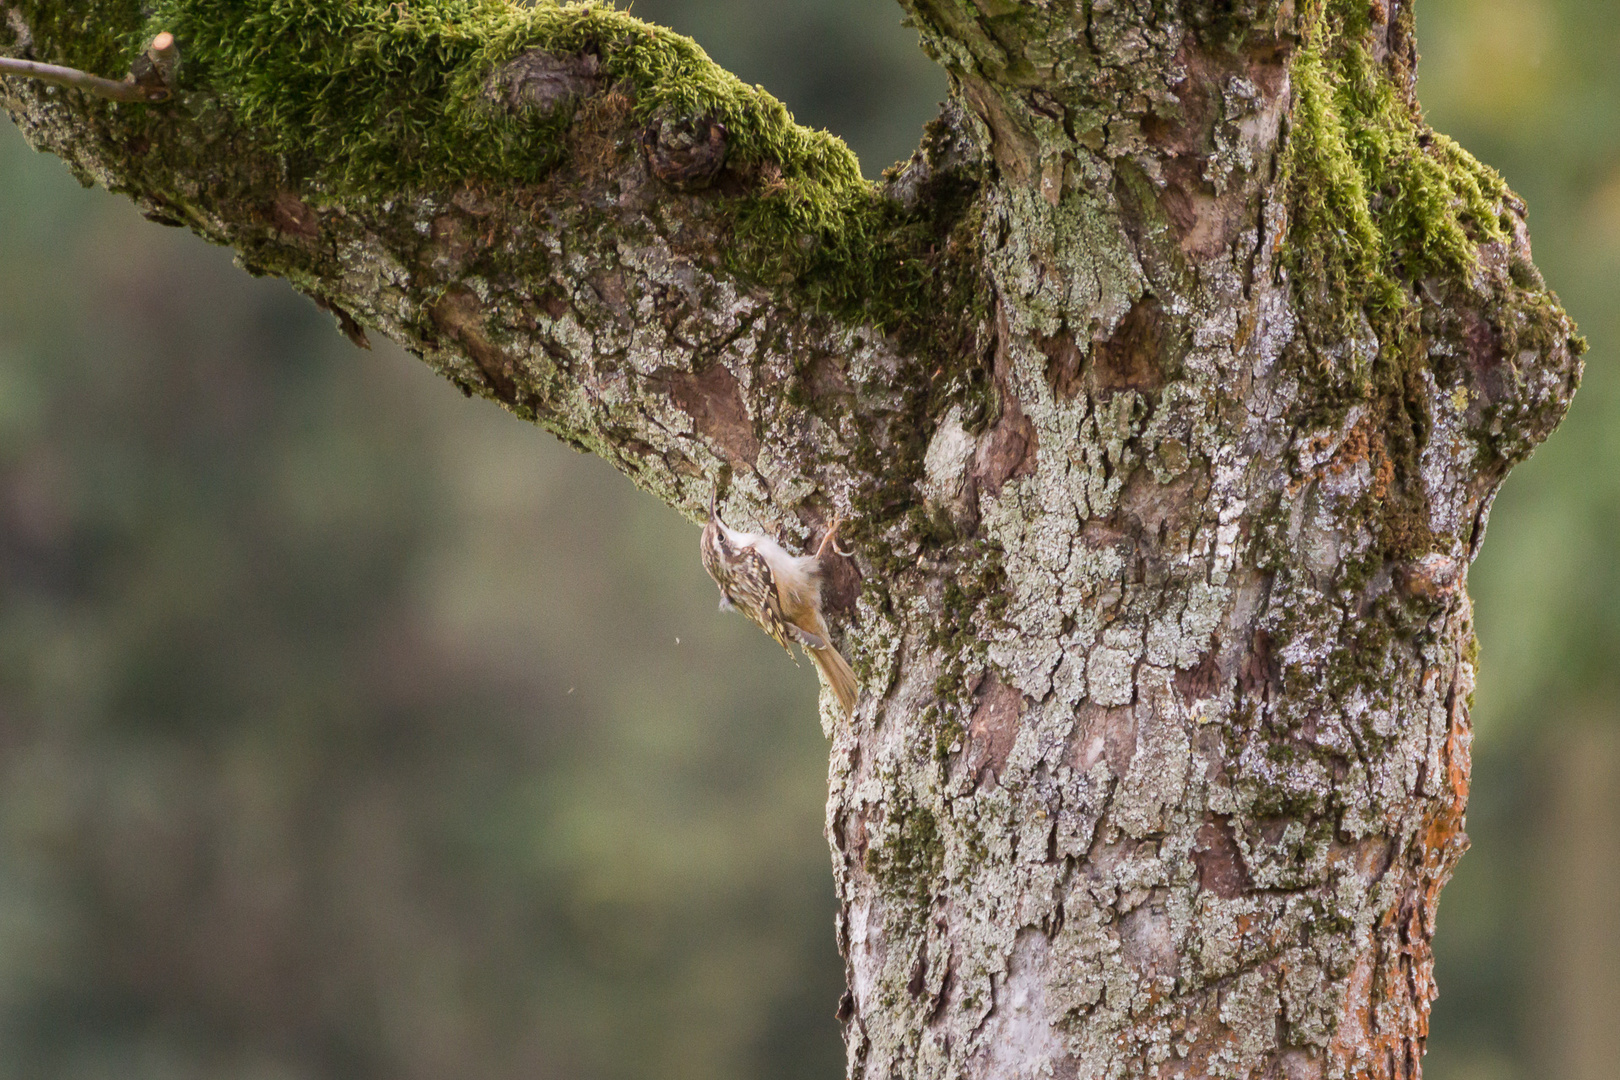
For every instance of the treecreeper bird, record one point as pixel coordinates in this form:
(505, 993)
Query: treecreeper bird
(781, 593)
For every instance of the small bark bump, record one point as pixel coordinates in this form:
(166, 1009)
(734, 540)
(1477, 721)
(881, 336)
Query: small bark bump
(686, 153)
(293, 217)
(540, 81)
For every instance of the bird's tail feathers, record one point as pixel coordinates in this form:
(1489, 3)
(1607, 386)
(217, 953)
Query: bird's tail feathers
(836, 673)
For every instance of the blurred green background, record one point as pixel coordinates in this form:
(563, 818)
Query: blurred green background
(352, 729)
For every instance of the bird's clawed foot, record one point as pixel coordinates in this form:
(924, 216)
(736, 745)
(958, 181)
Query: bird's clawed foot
(831, 541)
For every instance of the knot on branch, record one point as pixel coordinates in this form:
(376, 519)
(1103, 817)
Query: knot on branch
(541, 81)
(1433, 577)
(156, 70)
(685, 153)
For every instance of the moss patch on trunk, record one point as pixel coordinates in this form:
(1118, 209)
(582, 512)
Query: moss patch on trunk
(1377, 200)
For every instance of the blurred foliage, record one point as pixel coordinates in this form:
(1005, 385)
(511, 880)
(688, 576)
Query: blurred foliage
(1529, 932)
(350, 729)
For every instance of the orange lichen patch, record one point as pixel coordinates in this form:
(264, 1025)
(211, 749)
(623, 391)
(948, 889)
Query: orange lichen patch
(1356, 448)
(1362, 443)
(1383, 474)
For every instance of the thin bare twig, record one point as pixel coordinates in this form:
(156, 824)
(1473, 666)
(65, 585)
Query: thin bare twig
(150, 81)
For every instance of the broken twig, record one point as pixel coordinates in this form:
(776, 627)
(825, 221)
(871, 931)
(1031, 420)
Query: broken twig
(150, 80)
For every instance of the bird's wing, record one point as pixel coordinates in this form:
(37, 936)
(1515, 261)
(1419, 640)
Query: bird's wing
(756, 594)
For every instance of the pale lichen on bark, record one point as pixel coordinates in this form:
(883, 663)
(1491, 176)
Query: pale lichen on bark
(1212, 831)
(1167, 387)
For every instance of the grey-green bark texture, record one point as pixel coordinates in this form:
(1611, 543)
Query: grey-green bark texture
(1165, 390)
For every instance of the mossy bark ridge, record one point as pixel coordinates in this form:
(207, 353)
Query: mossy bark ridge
(1165, 390)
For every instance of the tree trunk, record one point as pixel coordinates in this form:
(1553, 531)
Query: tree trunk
(1166, 389)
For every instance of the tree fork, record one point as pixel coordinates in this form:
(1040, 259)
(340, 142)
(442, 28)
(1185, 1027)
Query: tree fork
(1166, 389)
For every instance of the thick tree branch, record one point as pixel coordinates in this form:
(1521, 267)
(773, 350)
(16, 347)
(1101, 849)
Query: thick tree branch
(564, 209)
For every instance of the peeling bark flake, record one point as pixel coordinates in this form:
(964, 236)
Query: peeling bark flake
(714, 401)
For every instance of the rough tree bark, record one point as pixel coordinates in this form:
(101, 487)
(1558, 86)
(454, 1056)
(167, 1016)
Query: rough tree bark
(1166, 387)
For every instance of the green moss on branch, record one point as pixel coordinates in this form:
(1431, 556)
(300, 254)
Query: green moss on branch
(1377, 200)
(376, 100)
(371, 97)
(100, 37)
